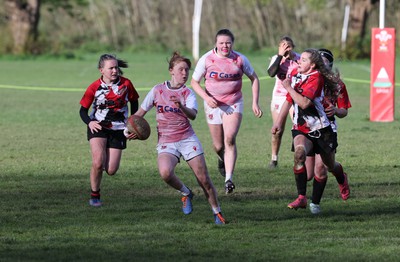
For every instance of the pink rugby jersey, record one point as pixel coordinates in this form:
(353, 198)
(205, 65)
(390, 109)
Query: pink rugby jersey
(313, 117)
(109, 103)
(223, 75)
(285, 69)
(172, 123)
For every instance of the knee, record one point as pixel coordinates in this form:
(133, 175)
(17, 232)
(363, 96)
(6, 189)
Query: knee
(321, 171)
(277, 135)
(218, 148)
(331, 167)
(299, 155)
(111, 171)
(230, 141)
(97, 165)
(166, 174)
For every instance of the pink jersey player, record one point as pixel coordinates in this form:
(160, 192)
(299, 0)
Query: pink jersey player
(286, 66)
(176, 105)
(223, 75)
(280, 67)
(223, 69)
(172, 124)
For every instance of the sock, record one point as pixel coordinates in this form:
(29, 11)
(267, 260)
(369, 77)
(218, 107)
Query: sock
(221, 155)
(184, 190)
(228, 176)
(274, 158)
(300, 176)
(338, 173)
(318, 189)
(95, 194)
(216, 210)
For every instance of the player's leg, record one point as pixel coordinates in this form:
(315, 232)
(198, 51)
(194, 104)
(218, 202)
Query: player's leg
(276, 140)
(310, 165)
(166, 167)
(98, 147)
(214, 121)
(328, 157)
(199, 167)
(231, 123)
(113, 160)
(116, 142)
(217, 136)
(337, 170)
(319, 184)
(302, 145)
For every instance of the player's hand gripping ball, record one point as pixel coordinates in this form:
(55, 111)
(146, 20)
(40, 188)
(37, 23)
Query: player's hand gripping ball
(139, 126)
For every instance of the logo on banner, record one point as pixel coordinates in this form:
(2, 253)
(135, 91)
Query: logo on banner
(382, 81)
(383, 38)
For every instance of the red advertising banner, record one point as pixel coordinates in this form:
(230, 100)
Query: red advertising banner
(382, 74)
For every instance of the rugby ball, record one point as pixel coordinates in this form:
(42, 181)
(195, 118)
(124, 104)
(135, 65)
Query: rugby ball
(139, 126)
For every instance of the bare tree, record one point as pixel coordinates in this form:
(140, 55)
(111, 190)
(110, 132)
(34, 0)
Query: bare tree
(23, 23)
(359, 14)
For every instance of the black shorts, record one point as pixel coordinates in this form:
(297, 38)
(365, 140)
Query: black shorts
(324, 140)
(115, 138)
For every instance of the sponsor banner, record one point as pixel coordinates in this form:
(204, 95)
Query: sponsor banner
(382, 74)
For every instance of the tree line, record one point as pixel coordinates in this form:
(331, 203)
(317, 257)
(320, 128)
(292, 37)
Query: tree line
(64, 26)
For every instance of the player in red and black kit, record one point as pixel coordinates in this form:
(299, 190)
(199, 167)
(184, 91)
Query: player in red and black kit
(108, 96)
(336, 105)
(311, 127)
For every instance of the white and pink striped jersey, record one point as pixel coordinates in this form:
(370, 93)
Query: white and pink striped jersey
(223, 75)
(285, 69)
(172, 123)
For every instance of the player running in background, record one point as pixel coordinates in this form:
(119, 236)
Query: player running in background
(280, 67)
(176, 105)
(336, 105)
(223, 69)
(311, 127)
(108, 96)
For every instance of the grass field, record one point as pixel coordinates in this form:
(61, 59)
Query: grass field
(44, 180)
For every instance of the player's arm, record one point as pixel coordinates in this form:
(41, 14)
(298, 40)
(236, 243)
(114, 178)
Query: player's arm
(134, 106)
(255, 85)
(93, 125)
(84, 114)
(189, 112)
(274, 67)
(302, 101)
(211, 102)
(141, 112)
(340, 108)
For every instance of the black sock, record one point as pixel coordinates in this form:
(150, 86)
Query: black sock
(95, 194)
(339, 175)
(301, 180)
(318, 190)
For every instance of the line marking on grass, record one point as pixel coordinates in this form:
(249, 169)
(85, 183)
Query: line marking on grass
(71, 89)
(64, 89)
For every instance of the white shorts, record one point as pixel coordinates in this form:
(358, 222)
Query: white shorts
(187, 148)
(277, 102)
(214, 115)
